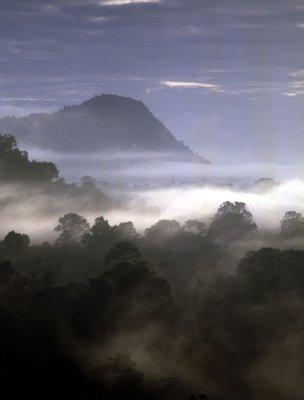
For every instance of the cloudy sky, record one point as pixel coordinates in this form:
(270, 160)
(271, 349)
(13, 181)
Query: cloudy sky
(227, 76)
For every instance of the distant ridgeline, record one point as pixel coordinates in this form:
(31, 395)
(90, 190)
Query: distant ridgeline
(105, 122)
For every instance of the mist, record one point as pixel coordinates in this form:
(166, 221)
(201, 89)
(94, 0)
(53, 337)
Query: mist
(132, 167)
(144, 187)
(146, 277)
(30, 209)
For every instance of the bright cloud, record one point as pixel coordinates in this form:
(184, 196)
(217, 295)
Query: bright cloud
(191, 85)
(125, 2)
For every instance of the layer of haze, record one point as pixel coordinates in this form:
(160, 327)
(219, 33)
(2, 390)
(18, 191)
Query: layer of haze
(134, 168)
(25, 210)
(183, 203)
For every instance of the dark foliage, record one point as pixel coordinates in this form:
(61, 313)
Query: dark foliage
(232, 221)
(15, 164)
(33, 179)
(292, 225)
(16, 241)
(112, 314)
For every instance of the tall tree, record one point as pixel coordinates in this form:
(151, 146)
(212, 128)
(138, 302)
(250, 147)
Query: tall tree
(72, 226)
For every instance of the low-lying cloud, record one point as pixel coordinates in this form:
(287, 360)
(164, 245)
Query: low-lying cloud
(35, 213)
(147, 187)
(145, 207)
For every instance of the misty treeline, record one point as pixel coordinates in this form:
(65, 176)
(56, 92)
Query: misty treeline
(107, 313)
(30, 177)
(179, 311)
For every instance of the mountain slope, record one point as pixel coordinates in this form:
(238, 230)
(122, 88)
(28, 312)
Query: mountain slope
(103, 123)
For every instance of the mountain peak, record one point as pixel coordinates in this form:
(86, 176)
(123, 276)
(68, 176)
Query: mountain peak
(99, 102)
(105, 122)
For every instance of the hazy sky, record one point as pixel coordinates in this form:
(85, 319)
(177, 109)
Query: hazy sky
(225, 75)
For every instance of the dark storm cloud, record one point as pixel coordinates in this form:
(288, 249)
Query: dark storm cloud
(200, 65)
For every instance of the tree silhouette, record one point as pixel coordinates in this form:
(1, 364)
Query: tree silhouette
(125, 231)
(292, 225)
(15, 164)
(100, 234)
(72, 226)
(123, 252)
(195, 226)
(16, 241)
(232, 221)
(162, 229)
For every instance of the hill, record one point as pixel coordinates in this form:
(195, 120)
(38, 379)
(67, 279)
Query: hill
(103, 123)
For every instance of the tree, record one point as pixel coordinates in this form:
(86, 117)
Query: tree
(100, 233)
(123, 252)
(292, 225)
(101, 227)
(72, 226)
(195, 226)
(16, 241)
(15, 164)
(43, 171)
(232, 221)
(269, 270)
(88, 182)
(163, 229)
(137, 293)
(6, 272)
(125, 231)
(8, 144)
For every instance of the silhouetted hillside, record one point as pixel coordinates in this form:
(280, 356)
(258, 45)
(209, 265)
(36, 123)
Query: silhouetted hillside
(105, 122)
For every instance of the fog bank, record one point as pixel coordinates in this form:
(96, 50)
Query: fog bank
(36, 212)
(153, 167)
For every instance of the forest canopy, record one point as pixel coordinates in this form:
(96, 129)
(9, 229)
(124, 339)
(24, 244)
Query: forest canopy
(169, 313)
